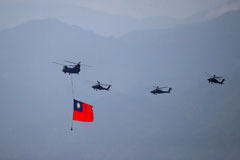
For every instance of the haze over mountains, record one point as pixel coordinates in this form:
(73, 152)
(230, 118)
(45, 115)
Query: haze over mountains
(98, 21)
(196, 121)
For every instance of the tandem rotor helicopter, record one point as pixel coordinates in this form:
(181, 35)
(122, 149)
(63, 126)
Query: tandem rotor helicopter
(158, 90)
(216, 79)
(99, 86)
(71, 69)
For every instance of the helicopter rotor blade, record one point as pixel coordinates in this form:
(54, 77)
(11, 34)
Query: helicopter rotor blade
(58, 63)
(104, 84)
(99, 84)
(208, 74)
(219, 77)
(92, 82)
(70, 62)
(85, 65)
(148, 88)
(163, 87)
(77, 63)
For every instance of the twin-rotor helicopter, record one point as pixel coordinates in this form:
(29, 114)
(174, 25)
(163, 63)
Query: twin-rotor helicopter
(73, 68)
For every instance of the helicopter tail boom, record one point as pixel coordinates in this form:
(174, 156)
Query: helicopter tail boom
(222, 82)
(169, 90)
(108, 87)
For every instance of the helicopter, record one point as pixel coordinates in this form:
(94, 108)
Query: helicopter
(216, 79)
(75, 69)
(99, 86)
(158, 90)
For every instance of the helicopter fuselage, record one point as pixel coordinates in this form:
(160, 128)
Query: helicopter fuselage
(214, 80)
(159, 91)
(99, 87)
(74, 70)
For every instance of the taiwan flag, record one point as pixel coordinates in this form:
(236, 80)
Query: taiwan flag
(82, 111)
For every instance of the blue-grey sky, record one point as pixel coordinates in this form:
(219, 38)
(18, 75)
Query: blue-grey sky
(141, 8)
(196, 121)
(147, 8)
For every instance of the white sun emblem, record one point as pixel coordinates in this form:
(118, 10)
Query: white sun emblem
(78, 105)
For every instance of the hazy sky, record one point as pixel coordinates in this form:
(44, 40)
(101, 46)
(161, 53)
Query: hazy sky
(196, 121)
(142, 8)
(145, 8)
